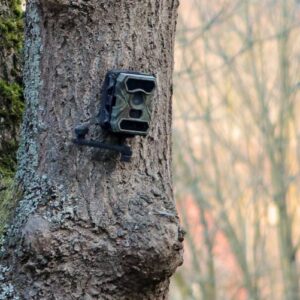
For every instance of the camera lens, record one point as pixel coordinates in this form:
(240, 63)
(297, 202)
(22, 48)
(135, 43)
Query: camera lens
(137, 99)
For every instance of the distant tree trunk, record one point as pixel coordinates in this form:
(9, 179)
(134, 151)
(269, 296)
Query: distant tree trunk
(87, 227)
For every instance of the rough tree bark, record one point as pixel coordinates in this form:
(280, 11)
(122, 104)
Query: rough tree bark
(88, 226)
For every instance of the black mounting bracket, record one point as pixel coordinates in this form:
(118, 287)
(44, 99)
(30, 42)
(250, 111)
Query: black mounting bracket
(82, 130)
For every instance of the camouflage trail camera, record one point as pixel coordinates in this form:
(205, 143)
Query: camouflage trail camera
(126, 108)
(126, 104)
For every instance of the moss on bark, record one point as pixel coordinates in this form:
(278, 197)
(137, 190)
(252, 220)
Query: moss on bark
(11, 99)
(11, 90)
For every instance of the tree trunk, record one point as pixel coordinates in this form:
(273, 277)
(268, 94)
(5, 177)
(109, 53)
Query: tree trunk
(87, 225)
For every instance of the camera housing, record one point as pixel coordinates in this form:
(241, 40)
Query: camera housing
(126, 104)
(126, 108)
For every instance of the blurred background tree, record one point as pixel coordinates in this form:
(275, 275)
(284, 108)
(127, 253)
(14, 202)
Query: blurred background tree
(11, 95)
(237, 154)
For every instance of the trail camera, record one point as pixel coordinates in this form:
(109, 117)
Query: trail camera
(125, 110)
(127, 102)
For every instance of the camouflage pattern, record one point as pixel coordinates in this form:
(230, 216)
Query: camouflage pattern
(131, 106)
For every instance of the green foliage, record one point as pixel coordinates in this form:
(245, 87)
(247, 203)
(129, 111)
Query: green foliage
(8, 199)
(10, 117)
(11, 27)
(11, 102)
(11, 94)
